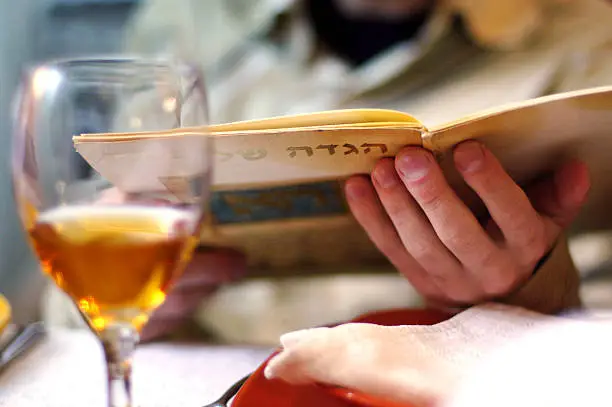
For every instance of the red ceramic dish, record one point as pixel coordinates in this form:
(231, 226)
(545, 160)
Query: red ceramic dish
(260, 392)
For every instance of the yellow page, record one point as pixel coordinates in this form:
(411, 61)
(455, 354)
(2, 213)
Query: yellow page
(533, 138)
(355, 117)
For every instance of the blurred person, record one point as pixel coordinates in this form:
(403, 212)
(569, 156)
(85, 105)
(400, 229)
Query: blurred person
(437, 60)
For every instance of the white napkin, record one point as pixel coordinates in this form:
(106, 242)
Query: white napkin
(424, 365)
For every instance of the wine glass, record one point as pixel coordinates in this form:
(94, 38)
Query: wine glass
(113, 244)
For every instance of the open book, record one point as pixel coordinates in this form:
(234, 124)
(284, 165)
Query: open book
(272, 173)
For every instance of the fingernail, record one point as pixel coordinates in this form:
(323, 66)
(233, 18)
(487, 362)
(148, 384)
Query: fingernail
(413, 165)
(469, 156)
(385, 176)
(355, 189)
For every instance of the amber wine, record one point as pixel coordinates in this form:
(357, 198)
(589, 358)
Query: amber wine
(115, 262)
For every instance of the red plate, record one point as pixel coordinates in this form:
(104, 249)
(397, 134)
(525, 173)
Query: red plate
(260, 392)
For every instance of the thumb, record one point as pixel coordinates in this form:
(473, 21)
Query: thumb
(561, 196)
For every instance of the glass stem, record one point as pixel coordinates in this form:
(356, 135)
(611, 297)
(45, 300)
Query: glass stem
(119, 342)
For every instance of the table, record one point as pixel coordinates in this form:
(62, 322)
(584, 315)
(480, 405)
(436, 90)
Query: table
(66, 370)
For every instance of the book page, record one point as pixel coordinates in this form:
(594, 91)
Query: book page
(583, 94)
(344, 117)
(249, 159)
(67, 370)
(149, 165)
(533, 140)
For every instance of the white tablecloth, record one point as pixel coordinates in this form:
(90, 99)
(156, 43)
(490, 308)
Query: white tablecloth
(66, 370)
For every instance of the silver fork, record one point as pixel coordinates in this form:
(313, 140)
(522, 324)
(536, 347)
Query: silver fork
(20, 342)
(229, 394)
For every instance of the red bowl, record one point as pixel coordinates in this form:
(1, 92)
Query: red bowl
(261, 392)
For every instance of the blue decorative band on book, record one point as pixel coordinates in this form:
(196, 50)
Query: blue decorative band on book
(278, 203)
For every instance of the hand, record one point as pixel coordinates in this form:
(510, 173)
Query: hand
(208, 270)
(397, 363)
(417, 221)
(415, 364)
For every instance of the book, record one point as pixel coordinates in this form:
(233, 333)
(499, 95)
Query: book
(277, 181)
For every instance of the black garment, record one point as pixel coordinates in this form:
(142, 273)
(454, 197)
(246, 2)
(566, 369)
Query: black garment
(358, 40)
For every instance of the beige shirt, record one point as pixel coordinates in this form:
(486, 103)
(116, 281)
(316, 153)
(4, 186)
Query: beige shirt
(253, 74)
(261, 59)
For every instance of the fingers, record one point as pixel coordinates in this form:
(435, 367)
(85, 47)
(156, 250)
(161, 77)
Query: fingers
(531, 222)
(561, 196)
(510, 208)
(416, 233)
(302, 355)
(354, 355)
(291, 339)
(415, 218)
(454, 224)
(328, 355)
(366, 208)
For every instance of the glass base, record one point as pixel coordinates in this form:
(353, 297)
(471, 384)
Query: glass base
(119, 343)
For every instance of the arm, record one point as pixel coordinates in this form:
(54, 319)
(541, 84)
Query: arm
(554, 287)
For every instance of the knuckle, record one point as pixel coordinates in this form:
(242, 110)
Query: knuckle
(362, 341)
(397, 210)
(345, 333)
(443, 281)
(457, 239)
(404, 219)
(429, 195)
(489, 260)
(424, 252)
